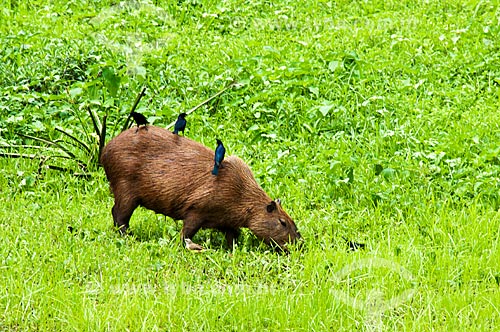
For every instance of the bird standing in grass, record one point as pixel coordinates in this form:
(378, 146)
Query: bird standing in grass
(180, 124)
(220, 151)
(190, 245)
(139, 120)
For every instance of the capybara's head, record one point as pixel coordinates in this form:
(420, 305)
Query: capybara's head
(272, 224)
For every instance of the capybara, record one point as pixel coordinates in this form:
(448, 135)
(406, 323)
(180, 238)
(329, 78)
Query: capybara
(172, 175)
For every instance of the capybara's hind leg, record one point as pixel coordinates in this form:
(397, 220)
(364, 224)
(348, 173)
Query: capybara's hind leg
(121, 216)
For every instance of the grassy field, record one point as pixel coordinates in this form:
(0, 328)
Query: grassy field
(373, 121)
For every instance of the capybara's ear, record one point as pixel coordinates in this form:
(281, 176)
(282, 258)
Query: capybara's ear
(271, 207)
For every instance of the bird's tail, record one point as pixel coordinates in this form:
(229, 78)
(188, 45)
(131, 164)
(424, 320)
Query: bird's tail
(176, 132)
(215, 171)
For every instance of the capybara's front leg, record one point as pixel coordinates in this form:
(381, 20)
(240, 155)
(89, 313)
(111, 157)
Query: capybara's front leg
(190, 226)
(231, 235)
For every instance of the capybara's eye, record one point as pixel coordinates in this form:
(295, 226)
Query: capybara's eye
(283, 223)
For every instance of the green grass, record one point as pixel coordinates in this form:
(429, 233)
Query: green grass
(373, 121)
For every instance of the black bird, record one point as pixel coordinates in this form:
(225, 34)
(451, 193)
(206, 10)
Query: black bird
(180, 124)
(220, 151)
(354, 245)
(139, 120)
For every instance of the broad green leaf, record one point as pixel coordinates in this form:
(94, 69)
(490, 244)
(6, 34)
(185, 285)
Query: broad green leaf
(335, 65)
(111, 81)
(324, 109)
(75, 92)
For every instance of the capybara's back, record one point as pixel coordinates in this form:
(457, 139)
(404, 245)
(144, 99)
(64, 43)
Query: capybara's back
(172, 175)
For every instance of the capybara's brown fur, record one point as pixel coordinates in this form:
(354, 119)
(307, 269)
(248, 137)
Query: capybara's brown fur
(171, 175)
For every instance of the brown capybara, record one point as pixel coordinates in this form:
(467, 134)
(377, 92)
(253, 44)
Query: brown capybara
(172, 175)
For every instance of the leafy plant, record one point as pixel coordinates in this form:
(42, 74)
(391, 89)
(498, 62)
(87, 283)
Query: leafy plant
(81, 145)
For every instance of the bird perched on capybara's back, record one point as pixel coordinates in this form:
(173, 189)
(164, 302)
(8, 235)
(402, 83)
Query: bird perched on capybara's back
(180, 123)
(220, 151)
(139, 119)
(171, 175)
